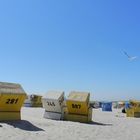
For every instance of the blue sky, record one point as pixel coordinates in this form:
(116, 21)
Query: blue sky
(71, 45)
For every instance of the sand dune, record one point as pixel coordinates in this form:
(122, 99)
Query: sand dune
(105, 126)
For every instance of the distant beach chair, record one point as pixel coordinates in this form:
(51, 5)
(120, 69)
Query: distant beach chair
(36, 100)
(134, 109)
(33, 100)
(107, 106)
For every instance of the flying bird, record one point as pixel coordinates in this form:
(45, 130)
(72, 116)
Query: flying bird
(130, 58)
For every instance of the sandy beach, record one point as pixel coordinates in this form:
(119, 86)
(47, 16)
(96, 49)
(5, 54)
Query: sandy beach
(105, 126)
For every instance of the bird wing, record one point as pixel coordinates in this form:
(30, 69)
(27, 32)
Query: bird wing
(126, 54)
(132, 58)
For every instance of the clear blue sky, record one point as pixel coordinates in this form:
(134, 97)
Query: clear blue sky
(71, 45)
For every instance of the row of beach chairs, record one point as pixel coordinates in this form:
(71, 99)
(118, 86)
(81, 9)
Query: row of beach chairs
(75, 108)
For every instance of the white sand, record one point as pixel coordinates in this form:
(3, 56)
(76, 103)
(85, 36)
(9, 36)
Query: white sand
(107, 126)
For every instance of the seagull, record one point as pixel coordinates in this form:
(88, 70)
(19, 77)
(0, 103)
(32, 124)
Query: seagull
(130, 58)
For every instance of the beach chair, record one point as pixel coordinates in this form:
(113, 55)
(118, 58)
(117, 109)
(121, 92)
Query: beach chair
(134, 109)
(78, 107)
(12, 97)
(53, 103)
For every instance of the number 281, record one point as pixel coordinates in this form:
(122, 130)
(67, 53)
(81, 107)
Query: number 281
(12, 101)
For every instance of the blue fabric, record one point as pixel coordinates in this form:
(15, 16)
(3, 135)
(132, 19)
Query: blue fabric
(107, 106)
(127, 105)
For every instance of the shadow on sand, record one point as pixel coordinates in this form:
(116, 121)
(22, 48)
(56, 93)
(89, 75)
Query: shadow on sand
(94, 123)
(24, 125)
(97, 123)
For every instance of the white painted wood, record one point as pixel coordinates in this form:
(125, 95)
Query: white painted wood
(53, 101)
(52, 115)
